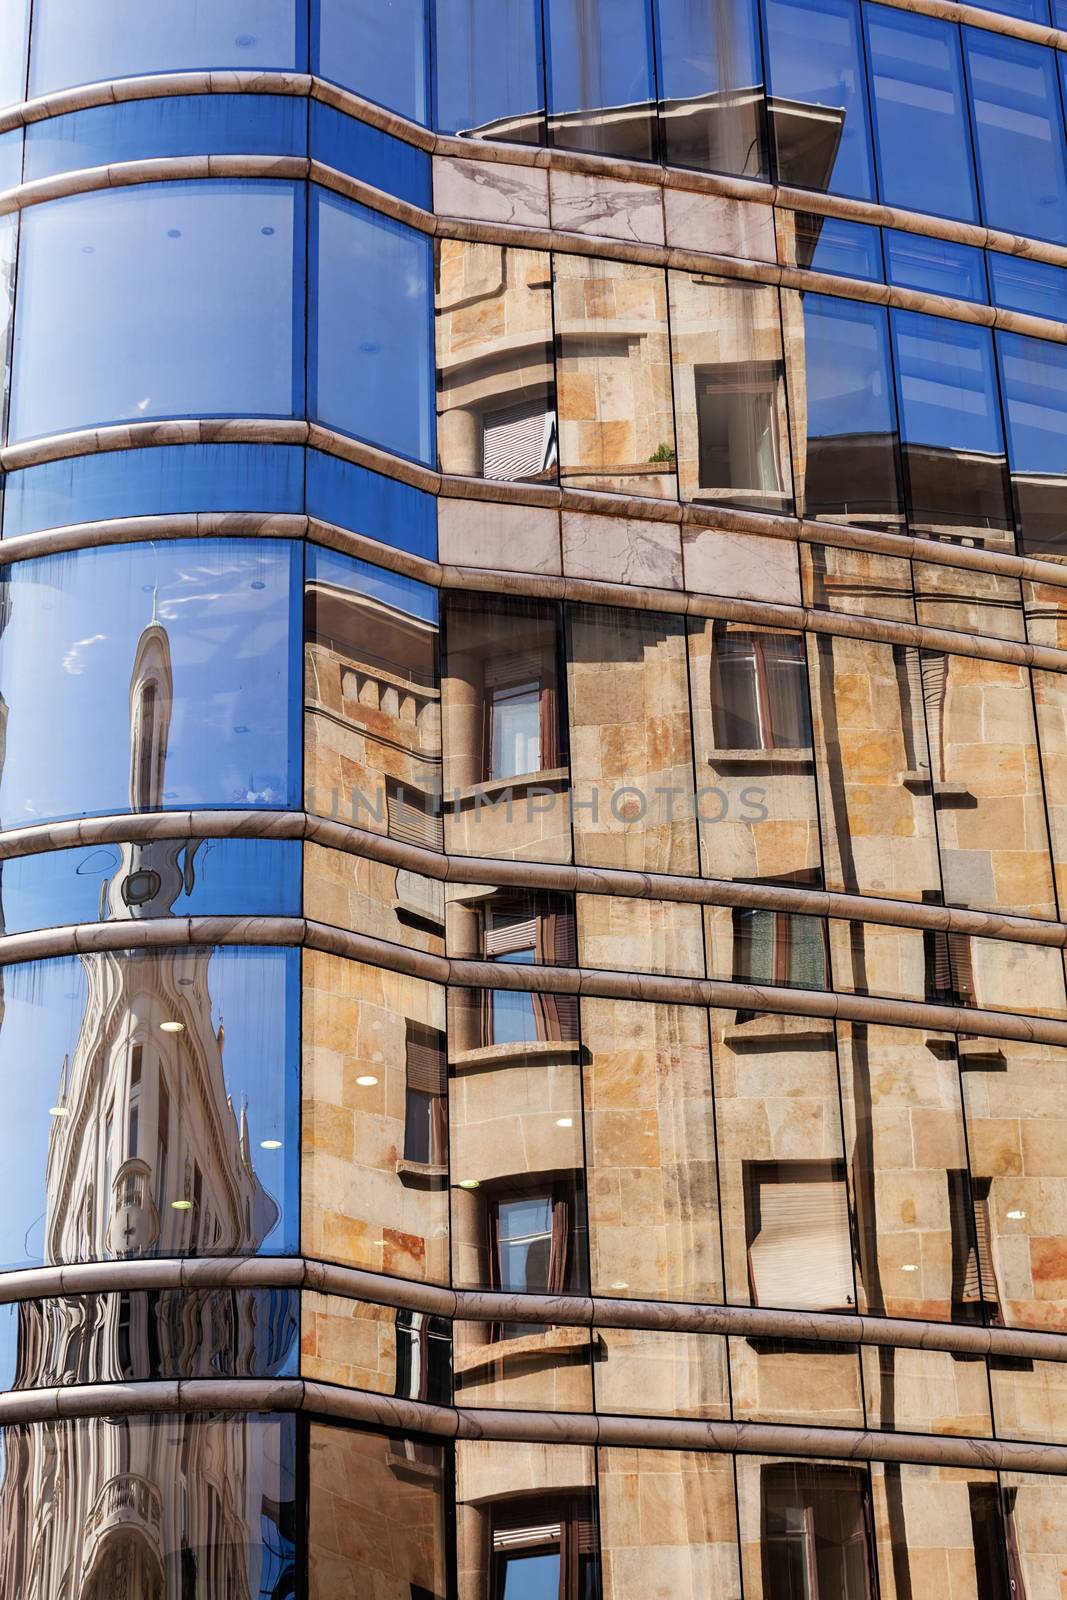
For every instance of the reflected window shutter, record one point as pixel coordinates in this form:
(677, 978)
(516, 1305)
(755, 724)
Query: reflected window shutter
(411, 821)
(426, 1066)
(802, 1255)
(983, 1232)
(516, 440)
(504, 937)
(959, 960)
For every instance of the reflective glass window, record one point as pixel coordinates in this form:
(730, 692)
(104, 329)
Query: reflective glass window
(85, 41)
(1028, 10)
(939, 265)
(952, 442)
(527, 1522)
(729, 393)
(14, 27)
(9, 235)
(830, 244)
(842, 392)
(132, 1336)
(616, 413)
(919, 107)
(711, 86)
(351, 496)
(601, 76)
(1022, 285)
(396, 1493)
(817, 83)
(1034, 375)
(371, 357)
(348, 145)
(695, 1548)
(223, 261)
(174, 877)
(369, 1199)
(496, 391)
(184, 125)
(489, 69)
(164, 478)
(234, 1524)
(167, 674)
(376, 47)
(11, 158)
(372, 722)
(1018, 130)
(149, 1105)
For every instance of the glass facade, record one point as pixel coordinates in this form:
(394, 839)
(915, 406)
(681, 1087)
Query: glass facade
(533, 844)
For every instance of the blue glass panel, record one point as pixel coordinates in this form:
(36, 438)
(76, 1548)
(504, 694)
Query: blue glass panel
(86, 41)
(711, 86)
(950, 426)
(187, 125)
(408, 595)
(14, 27)
(1059, 13)
(1034, 376)
(820, 125)
(168, 675)
(180, 878)
(371, 362)
(83, 1046)
(1018, 129)
(10, 158)
(852, 471)
(939, 265)
(489, 69)
(368, 153)
(1034, 286)
(600, 76)
(1029, 10)
(375, 47)
(919, 109)
(9, 234)
(353, 497)
(165, 479)
(220, 333)
(829, 244)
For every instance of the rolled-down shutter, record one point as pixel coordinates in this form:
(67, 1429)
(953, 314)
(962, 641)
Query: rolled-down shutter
(802, 1256)
(506, 935)
(517, 440)
(411, 817)
(426, 1066)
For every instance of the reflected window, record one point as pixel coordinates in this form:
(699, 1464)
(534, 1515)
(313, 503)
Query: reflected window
(953, 446)
(975, 1287)
(545, 1547)
(831, 244)
(711, 104)
(536, 1242)
(737, 425)
(426, 1105)
(949, 975)
(816, 1532)
(760, 691)
(1022, 285)
(521, 717)
(797, 1226)
(375, 47)
(818, 96)
(941, 265)
(1034, 378)
(919, 106)
(88, 41)
(489, 69)
(524, 929)
(225, 261)
(424, 1357)
(844, 387)
(601, 78)
(1018, 130)
(779, 948)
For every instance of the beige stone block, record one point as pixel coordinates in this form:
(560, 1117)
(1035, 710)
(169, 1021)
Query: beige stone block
(490, 191)
(719, 224)
(585, 203)
(741, 566)
(622, 550)
(475, 533)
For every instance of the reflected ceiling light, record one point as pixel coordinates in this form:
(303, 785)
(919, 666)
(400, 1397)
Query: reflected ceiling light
(564, 1122)
(174, 233)
(181, 1205)
(270, 1144)
(258, 583)
(172, 1027)
(245, 40)
(909, 1266)
(367, 1081)
(64, 1111)
(468, 1183)
(1016, 1216)
(620, 1286)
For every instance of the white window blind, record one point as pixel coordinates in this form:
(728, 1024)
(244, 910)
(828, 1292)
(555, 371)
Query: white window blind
(517, 441)
(802, 1256)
